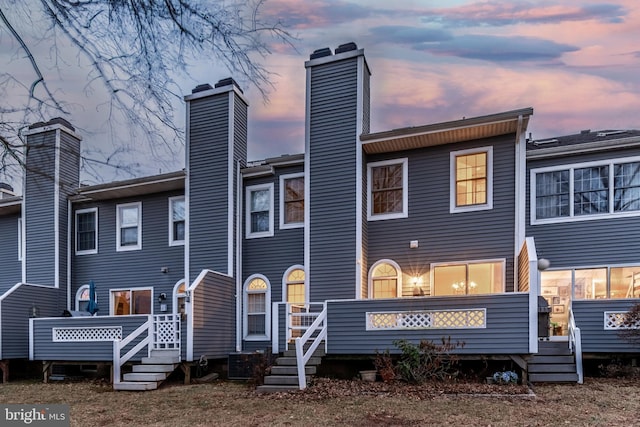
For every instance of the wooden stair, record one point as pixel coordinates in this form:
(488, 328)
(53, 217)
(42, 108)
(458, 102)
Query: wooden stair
(284, 373)
(554, 363)
(151, 371)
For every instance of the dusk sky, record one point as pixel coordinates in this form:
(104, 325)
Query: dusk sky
(577, 63)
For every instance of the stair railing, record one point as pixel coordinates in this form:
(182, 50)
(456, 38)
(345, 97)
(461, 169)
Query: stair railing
(162, 333)
(317, 330)
(575, 345)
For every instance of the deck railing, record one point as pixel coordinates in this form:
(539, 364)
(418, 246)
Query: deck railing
(316, 333)
(162, 332)
(575, 345)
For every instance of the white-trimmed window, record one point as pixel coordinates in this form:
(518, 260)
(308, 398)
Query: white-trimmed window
(257, 313)
(293, 290)
(610, 282)
(176, 220)
(584, 191)
(129, 226)
(259, 210)
(292, 200)
(20, 239)
(388, 183)
(385, 280)
(87, 231)
(468, 278)
(471, 180)
(126, 302)
(82, 298)
(180, 297)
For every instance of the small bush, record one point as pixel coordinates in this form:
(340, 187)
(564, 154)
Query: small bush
(631, 326)
(425, 361)
(384, 364)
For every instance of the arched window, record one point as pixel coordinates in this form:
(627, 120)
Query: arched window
(82, 298)
(294, 289)
(257, 304)
(385, 280)
(179, 298)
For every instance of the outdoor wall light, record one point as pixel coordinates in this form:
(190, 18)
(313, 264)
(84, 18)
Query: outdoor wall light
(34, 311)
(417, 289)
(162, 297)
(164, 270)
(543, 264)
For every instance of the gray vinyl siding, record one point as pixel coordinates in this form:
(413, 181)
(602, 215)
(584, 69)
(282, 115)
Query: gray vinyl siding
(39, 204)
(589, 316)
(506, 332)
(110, 269)
(332, 175)
(214, 316)
(443, 236)
(240, 123)
(11, 267)
(46, 349)
(272, 256)
(69, 182)
(208, 181)
(607, 241)
(15, 309)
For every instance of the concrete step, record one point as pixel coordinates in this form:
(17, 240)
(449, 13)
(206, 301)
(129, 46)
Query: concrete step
(275, 388)
(318, 353)
(135, 386)
(145, 376)
(291, 370)
(291, 361)
(282, 380)
(153, 368)
(160, 360)
(553, 378)
(551, 359)
(552, 368)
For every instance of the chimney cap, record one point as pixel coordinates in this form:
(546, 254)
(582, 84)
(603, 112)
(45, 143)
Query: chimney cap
(228, 81)
(201, 88)
(320, 53)
(54, 121)
(346, 47)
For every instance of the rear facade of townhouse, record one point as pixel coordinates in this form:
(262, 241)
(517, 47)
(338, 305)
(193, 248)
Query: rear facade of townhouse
(415, 233)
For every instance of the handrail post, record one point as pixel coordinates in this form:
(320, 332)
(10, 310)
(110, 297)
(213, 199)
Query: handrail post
(116, 362)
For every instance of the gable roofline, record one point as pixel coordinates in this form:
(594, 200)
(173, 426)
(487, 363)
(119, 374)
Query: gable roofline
(446, 132)
(131, 187)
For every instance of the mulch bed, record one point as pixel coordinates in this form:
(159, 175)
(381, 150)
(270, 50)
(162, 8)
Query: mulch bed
(325, 388)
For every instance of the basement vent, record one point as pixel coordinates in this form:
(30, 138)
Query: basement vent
(611, 132)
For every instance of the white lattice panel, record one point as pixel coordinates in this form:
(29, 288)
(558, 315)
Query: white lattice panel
(99, 333)
(166, 331)
(618, 320)
(440, 319)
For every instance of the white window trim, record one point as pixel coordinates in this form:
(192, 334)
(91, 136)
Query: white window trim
(503, 261)
(249, 190)
(283, 225)
(172, 241)
(405, 190)
(19, 239)
(177, 295)
(452, 180)
(398, 277)
(608, 267)
(120, 248)
(82, 211)
(285, 282)
(267, 308)
(144, 288)
(571, 167)
(78, 293)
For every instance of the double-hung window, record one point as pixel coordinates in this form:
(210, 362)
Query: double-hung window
(585, 191)
(257, 316)
(176, 221)
(87, 231)
(471, 180)
(292, 200)
(259, 219)
(388, 183)
(129, 227)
